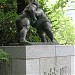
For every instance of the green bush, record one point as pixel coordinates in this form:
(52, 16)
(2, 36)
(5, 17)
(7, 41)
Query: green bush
(4, 57)
(7, 27)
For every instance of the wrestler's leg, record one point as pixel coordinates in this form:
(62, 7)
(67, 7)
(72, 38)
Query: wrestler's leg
(41, 34)
(47, 29)
(25, 27)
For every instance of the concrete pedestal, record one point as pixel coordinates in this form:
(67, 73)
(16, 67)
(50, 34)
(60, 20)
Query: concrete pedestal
(42, 59)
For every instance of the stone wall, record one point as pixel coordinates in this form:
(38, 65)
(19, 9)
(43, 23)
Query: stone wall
(42, 59)
(5, 68)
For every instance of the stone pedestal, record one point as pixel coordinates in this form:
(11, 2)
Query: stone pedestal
(5, 68)
(42, 59)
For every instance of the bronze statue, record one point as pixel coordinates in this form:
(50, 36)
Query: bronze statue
(43, 25)
(33, 15)
(23, 22)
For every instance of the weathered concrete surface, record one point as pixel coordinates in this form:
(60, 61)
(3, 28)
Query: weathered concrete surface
(42, 59)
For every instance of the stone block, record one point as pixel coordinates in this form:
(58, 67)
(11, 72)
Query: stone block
(55, 66)
(18, 67)
(63, 65)
(39, 51)
(72, 65)
(65, 50)
(32, 67)
(47, 66)
(16, 51)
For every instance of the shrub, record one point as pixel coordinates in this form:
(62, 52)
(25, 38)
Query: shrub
(4, 57)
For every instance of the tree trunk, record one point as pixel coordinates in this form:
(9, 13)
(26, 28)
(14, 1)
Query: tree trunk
(21, 4)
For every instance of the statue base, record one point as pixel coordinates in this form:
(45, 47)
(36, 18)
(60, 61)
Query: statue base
(20, 44)
(33, 43)
(40, 60)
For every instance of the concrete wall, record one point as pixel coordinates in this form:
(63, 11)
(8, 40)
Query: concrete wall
(5, 68)
(42, 59)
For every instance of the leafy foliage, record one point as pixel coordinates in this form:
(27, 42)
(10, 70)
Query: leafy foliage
(63, 30)
(7, 27)
(4, 57)
(8, 16)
